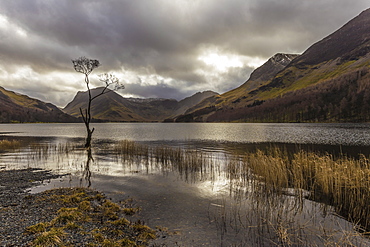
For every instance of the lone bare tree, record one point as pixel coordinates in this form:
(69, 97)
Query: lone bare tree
(86, 66)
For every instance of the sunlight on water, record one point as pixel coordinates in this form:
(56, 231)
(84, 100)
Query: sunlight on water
(205, 203)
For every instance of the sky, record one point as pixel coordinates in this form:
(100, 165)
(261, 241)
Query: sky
(156, 48)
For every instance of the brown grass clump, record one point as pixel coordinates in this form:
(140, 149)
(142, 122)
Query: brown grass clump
(343, 182)
(9, 144)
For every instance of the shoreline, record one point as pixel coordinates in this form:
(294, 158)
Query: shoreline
(77, 216)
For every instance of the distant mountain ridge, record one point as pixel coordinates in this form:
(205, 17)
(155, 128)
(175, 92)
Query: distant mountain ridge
(15, 107)
(329, 82)
(113, 107)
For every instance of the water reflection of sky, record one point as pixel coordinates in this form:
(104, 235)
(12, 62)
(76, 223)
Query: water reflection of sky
(201, 206)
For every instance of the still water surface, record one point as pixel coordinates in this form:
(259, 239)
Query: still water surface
(203, 209)
(334, 134)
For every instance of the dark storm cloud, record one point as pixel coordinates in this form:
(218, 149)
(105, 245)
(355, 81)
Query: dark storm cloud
(161, 37)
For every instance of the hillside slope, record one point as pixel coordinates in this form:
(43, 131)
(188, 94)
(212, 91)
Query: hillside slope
(236, 97)
(328, 82)
(20, 108)
(114, 108)
(107, 107)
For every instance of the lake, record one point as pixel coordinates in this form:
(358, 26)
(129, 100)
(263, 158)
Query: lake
(206, 208)
(333, 134)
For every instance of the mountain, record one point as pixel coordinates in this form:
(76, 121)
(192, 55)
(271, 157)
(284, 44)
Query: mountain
(20, 108)
(113, 107)
(107, 107)
(193, 100)
(329, 82)
(265, 73)
(259, 77)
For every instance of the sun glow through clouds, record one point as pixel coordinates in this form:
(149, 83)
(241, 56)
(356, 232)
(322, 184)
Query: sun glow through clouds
(221, 62)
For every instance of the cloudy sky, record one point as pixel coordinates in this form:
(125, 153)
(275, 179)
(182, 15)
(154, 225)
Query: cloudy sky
(157, 48)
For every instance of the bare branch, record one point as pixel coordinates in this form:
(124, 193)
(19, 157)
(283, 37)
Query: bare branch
(83, 116)
(85, 65)
(110, 79)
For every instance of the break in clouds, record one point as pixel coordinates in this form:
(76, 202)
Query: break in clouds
(158, 48)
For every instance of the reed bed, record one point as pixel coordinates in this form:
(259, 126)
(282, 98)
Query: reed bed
(188, 163)
(42, 151)
(131, 151)
(343, 182)
(9, 144)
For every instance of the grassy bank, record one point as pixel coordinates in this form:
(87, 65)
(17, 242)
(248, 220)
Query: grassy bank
(84, 216)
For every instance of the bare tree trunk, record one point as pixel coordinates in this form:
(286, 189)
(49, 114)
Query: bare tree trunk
(88, 138)
(87, 118)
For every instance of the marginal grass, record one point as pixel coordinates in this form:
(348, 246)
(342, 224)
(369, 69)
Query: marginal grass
(341, 182)
(9, 144)
(187, 162)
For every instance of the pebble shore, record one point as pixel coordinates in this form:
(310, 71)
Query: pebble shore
(16, 209)
(20, 210)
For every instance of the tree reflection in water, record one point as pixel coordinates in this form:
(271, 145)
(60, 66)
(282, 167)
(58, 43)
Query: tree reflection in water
(87, 172)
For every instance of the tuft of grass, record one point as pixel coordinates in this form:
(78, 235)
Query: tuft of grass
(98, 237)
(75, 197)
(130, 211)
(126, 242)
(37, 228)
(50, 238)
(145, 233)
(111, 210)
(67, 215)
(85, 206)
(120, 222)
(72, 226)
